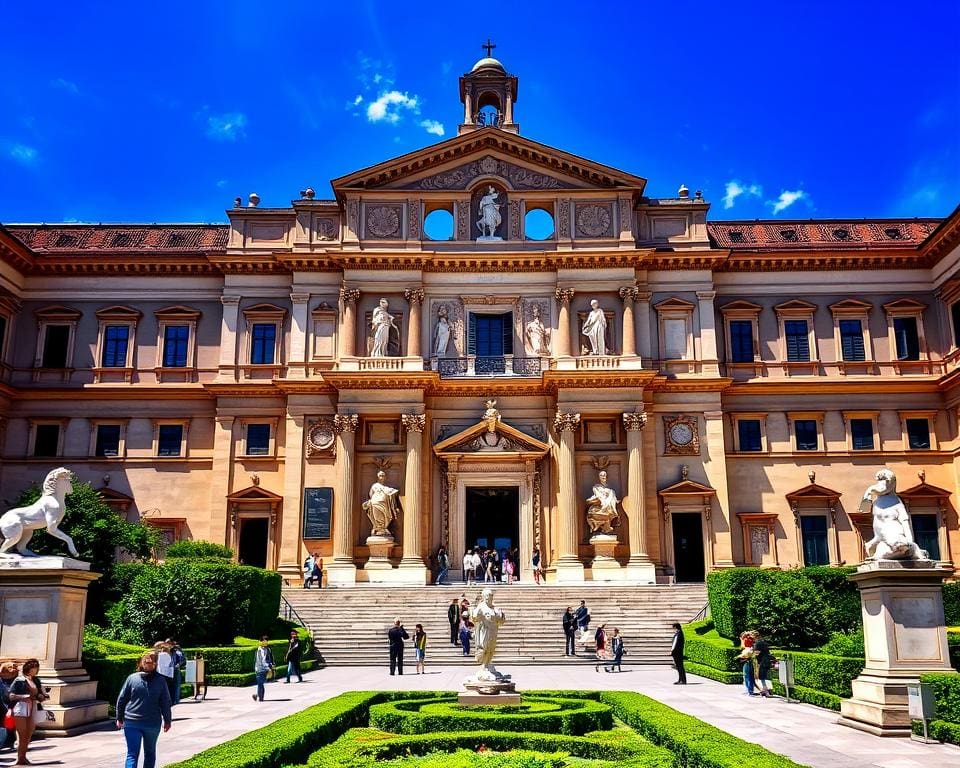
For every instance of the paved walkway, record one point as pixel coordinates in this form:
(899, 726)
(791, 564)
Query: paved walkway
(804, 733)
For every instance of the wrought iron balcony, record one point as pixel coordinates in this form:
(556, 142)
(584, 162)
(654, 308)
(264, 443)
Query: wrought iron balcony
(501, 365)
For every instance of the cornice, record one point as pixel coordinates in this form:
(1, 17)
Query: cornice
(124, 264)
(823, 386)
(668, 384)
(800, 261)
(942, 239)
(114, 392)
(381, 379)
(611, 379)
(312, 386)
(242, 389)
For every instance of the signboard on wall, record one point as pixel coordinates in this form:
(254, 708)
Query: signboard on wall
(317, 512)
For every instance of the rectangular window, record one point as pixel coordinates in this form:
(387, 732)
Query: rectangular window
(115, 339)
(263, 343)
(851, 340)
(741, 341)
(258, 440)
(56, 342)
(46, 441)
(748, 435)
(175, 338)
(861, 434)
(926, 535)
(169, 439)
(955, 321)
(813, 531)
(906, 337)
(798, 342)
(806, 433)
(918, 434)
(108, 440)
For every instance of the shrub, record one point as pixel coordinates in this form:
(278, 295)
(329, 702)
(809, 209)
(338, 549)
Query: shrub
(809, 696)
(946, 692)
(840, 596)
(728, 591)
(704, 646)
(841, 644)
(825, 673)
(198, 549)
(788, 610)
(727, 678)
(951, 603)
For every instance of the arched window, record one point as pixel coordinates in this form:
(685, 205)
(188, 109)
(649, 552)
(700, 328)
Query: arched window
(538, 225)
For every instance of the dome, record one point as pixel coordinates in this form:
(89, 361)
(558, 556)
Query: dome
(488, 61)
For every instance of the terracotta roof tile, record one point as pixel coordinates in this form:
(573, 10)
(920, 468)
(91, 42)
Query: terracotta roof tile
(121, 238)
(820, 235)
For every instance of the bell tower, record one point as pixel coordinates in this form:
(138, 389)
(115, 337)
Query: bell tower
(488, 94)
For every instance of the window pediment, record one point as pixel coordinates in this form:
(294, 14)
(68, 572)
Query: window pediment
(265, 312)
(119, 312)
(480, 441)
(741, 306)
(814, 492)
(795, 306)
(177, 312)
(851, 307)
(904, 306)
(674, 304)
(58, 312)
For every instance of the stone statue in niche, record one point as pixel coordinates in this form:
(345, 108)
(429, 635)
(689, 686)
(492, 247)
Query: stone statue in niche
(536, 335)
(602, 509)
(441, 335)
(892, 534)
(381, 324)
(488, 210)
(383, 506)
(595, 329)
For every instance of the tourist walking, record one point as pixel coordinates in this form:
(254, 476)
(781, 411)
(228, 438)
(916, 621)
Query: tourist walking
(600, 638)
(317, 574)
(396, 635)
(569, 632)
(8, 673)
(263, 666)
(468, 570)
(764, 659)
(165, 664)
(488, 566)
(453, 617)
(465, 632)
(143, 708)
(676, 651)
(583, 617)
(307, 571)
(746, 658)
(420, 649)
(26, 695)
(616, 651)
(508, 567)
(293, 656)
(443, 565)
(535, 566)
(179, 662)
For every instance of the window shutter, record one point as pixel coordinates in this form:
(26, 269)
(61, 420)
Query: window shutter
(507, 327)
(472, 335)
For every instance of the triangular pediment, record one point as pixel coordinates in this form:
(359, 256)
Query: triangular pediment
(490, 153)
(254, 493)
(924, 490)
(481, 440)
(688, 488)
(813, 491)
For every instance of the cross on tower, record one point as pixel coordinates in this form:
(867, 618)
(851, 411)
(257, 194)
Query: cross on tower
(489, 46)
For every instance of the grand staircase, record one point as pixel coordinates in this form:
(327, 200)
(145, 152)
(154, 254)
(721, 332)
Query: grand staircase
(350, 624)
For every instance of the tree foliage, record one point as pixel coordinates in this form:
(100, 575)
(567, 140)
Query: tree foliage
(198, 549)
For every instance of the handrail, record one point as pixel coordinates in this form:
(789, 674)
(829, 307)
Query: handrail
(704, 612)
(289, 612)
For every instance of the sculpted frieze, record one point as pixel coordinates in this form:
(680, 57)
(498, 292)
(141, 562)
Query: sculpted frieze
(518, 176)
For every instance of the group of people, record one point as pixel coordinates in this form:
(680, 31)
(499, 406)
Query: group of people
(609, 653)
(489, 565)
(396, 635)
(757, 661)
(313, 570)
(461, 628)
(21, 704)
(264, 664)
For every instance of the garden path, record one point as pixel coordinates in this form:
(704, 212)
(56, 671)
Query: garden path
(804, 733)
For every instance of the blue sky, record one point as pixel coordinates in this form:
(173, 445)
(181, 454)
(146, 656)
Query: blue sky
(166, 112)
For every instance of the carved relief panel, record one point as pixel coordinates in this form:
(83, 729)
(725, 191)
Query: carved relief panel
(382, 221)
(681, 435)
(594, 220)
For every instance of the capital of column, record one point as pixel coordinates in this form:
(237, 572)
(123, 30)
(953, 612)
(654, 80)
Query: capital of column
(566, 422)
(643, 295)
(229, 300)
(414, 422)
(299, 298)
(345, 422)
(564, 295)
(414, 295)
(349, 295)
(634, 422)
(706, 295)
(629, 293)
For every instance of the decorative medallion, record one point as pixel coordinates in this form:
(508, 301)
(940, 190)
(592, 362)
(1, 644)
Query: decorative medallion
(489, 164)
(326, 229)
(320, 438)
(383, 221)
(682, 435)
(593, 220)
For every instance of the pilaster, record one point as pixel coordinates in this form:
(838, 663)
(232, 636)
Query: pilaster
(708, 333)
(342, 571)
(414, 297)
(291, 523)
(629, 294)
(642, 311)
(412, 568)
(568, 565)
(297, 367)
(564, 297)
(639, 567)
(716, 469)
(228, 338)
(221, 479)
(348, 321)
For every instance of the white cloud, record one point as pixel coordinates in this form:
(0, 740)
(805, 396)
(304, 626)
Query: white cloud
(23, 154)
(357, 100)
(377, 78)
(786, 199)
(226, 127)
(221, 183)
(734, 189)
(387, 107)
(432, 126)
(66, 85)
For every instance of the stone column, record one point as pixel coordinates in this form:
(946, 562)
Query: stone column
(708, 333)
(415, 297)
(564, 296)
(412, 568)
(298, 335)
(291, 523)
(629, 294)
(639, 568)
(568, 565)
(228, 337)
(342, 571)
(348, 321)
(642, 311)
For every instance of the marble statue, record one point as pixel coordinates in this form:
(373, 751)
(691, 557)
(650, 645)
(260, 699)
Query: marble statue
(382, 323)
(892, 534)
(489, 212)
(595, 329)
(18, 525)
(487, 618)
(383, 506)
(537, 335)
(602, 507)
(441, 336)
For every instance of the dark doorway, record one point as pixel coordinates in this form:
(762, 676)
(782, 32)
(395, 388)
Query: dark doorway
(688, 547)
(493, 518)
(253, 541)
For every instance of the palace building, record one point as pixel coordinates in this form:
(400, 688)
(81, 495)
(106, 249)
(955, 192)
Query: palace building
(739, 383)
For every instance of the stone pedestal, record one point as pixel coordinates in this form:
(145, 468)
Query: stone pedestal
(604, 566)
(379, 554)
(43, 604)
(488, 692)
(904, 636)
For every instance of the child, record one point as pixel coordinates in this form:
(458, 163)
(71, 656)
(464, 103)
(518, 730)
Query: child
(420, 648)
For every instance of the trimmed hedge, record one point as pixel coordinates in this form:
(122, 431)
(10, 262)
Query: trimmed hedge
(951, 603)
(727, 678)
(822, 672)
(704, 646)
(788, 610)
(197, 549)
(809, 695)
(694, 743)
(728, 591)
(841, 596)
(946, 691)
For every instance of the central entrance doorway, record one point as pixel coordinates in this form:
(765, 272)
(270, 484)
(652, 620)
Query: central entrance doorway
(492, 518)
(688, 547)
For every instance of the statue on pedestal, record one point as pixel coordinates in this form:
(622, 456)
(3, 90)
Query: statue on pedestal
(382, 507)
(487, 619)
(602, 507)
(892, 533)
(441, 336)
(381, 322)
(537, 336)
(18, 524)
(489, 215)
(595, 329)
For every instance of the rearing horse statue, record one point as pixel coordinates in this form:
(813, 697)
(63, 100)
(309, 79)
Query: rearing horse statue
(18, 525)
